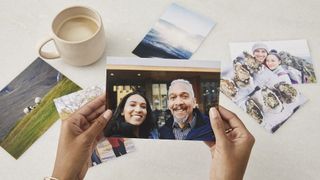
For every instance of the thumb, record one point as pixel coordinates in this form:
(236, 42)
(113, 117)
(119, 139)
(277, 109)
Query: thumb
(217, 125)
(95, 129)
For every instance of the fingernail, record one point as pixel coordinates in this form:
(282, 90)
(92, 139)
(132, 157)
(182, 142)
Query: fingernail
(107, 114)
(213, 113)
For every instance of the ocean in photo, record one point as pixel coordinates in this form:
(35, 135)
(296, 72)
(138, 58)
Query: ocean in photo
(165, 40)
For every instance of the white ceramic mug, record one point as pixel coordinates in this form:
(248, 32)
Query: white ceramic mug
(78, 36)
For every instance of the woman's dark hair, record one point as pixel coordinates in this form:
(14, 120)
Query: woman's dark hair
(276, 55)
(273, 51)
(115, 126)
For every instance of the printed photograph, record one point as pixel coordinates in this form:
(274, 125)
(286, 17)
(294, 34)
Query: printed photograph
(26, 105)
(265, 96)
(289, 60)
(176, 35)
(161, 98)
(107, 148)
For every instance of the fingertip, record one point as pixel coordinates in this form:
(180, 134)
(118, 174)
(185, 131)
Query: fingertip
(214, 116)
(99, 124)
(217, 124)
(213, 113)
(107, 114)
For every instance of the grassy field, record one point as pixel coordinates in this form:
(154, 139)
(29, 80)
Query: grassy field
(32, 126)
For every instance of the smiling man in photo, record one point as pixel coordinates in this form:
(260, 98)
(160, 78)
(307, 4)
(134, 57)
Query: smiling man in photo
(186, 121)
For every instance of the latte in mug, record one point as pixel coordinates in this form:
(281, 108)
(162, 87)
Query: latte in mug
(78, 35)
(77, 29)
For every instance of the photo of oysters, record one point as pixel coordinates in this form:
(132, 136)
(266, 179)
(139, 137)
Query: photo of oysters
(271, 100)
(287, 92)
(242, 75)
(253, 110)
(228, 88)
(260, 86)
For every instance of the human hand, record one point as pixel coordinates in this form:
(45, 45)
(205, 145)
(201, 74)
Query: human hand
(78, 137)
(231, 151)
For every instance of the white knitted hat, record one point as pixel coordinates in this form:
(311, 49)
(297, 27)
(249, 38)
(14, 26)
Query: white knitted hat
(259, 46)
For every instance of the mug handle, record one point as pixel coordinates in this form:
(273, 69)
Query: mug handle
(44, 54)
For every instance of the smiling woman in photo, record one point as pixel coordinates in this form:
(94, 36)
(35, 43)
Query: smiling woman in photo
(273, 62)
(132, 118)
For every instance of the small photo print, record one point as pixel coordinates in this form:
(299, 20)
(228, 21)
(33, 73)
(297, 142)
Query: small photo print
(107, 148)
(289, 60)
(68, 104)
(161, 98)
(26, 105)
(266, 96)
(176, 35)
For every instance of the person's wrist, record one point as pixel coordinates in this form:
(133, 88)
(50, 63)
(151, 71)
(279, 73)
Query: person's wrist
(236, 174)
(63, 174)
(231, 173)
(50, 178)
(58, 175)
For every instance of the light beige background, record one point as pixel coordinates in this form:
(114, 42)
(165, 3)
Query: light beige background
(293, 152)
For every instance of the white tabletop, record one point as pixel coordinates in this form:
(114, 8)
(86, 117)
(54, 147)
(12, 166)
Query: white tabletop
(291, 153)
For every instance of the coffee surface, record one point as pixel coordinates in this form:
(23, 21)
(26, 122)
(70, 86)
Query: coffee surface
(77, 29)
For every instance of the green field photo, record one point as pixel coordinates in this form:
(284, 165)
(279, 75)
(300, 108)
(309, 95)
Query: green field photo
(31, 126)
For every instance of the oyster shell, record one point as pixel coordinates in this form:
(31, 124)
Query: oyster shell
(228, 88)
(253, 110)
(242, 75)
(239, 59)
(287, 92)
(254, 66)
(271, 100)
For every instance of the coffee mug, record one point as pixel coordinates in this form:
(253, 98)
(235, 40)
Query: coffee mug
(78, 35)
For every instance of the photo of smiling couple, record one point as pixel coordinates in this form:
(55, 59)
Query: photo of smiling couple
(134, 117)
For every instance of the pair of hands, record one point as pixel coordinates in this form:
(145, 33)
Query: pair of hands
(81, 132)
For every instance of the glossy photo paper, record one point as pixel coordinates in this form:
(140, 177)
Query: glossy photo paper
(26, 105)
(161, 98)
(258, 84)
(176, 35)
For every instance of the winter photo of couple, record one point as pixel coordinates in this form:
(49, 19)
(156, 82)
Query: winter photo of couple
(260, 79)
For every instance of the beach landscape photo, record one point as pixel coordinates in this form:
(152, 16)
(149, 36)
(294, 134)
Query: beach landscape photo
(177, 34)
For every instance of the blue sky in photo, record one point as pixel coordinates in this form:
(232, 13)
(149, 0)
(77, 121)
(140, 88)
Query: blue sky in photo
(189, 21)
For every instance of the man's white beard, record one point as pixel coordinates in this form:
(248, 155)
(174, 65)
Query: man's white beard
(182, 120)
